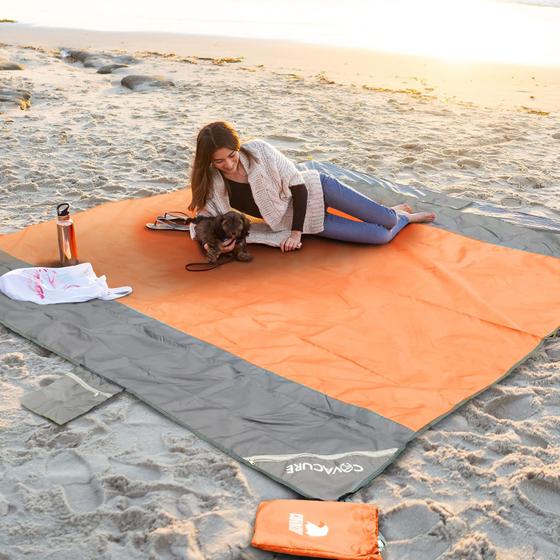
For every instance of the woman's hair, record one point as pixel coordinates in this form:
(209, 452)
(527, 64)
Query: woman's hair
(212, 137)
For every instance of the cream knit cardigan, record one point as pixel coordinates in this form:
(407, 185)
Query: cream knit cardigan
(270, 179)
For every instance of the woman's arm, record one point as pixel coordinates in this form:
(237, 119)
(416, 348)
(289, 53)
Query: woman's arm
(299, 197)
(261, 233)
(292, 186)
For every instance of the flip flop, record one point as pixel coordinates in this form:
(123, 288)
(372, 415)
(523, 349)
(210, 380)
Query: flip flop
(174, 217)
(165, 226)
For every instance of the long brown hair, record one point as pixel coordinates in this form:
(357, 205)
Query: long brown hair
(212, 137)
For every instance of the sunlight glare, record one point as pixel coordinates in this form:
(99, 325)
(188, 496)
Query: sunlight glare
(456, 30)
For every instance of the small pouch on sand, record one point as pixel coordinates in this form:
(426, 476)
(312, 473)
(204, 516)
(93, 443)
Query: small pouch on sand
(70, 396)
(340, 530)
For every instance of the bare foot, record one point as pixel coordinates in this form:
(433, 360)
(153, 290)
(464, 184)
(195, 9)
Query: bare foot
(403, 208)
(420, 217)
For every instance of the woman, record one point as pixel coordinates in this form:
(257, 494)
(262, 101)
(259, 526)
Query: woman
(258, 180)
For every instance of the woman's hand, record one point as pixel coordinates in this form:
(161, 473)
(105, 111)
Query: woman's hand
(226, 246)
(291, 243)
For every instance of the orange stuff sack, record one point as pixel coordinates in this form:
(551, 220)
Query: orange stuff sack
(340, 530)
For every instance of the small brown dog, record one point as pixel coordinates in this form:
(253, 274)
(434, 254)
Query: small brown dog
(213, 231)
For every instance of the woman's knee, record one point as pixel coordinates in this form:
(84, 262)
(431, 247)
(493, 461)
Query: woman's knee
(394, 217)
(378, 235)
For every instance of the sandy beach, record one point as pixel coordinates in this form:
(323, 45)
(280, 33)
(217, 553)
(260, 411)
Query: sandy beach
(123, 482)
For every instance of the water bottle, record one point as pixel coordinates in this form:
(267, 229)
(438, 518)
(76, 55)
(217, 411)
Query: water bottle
(67, 248)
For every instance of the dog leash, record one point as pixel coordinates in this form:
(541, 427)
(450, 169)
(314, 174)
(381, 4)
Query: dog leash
(204, 266)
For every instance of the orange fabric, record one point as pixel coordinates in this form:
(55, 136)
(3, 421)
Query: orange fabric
(341, 530)
(409, 329)
(342, 214)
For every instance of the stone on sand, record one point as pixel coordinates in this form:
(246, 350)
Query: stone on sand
(89, 60)
(96, 60)
(108, 68)
(7, 65)
(125, 59)
(140, 82)
(18, 96)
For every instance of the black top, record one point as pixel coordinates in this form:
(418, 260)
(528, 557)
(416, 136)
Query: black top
(241, 198)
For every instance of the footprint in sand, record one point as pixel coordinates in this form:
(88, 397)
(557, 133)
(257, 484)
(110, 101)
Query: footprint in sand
(12, 360)
(140, 471)
(469, 163)
(511, 407)
(409, 522)
(407, 159)
(281, 141)
(532, 440)
(553, 350)
(413, 146)
(164, 542)
(542, 495)
(215, 529)
(511, 201)
(65, 440)
(73, 473)
(506, 468)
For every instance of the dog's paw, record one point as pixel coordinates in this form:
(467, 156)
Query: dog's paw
(244, 257)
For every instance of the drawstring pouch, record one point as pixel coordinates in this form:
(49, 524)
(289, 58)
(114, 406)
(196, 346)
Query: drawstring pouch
(337, 530)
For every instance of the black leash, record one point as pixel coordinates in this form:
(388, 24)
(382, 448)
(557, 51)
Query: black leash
(204, 266)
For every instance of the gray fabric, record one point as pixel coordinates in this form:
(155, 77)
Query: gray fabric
(242, 409)
(479, 220)
(335, 477)
(67, 398)
(300, 437)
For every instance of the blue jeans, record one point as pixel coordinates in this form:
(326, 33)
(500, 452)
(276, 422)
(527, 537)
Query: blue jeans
(378, 226)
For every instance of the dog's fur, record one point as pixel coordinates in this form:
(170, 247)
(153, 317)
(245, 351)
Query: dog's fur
(213, 231)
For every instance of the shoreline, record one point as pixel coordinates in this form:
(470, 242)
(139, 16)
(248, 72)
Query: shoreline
(531, 88)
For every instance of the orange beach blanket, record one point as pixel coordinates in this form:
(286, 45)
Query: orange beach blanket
(409, 330)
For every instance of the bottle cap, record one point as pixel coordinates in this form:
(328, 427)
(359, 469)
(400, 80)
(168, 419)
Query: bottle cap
(63, 209)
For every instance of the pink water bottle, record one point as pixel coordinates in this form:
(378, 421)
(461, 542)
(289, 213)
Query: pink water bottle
(67, 247)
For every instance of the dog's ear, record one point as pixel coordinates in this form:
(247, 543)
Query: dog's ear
(246, 225)
(219, 225)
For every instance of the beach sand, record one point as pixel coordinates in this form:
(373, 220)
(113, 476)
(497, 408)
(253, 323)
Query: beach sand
(123, 482)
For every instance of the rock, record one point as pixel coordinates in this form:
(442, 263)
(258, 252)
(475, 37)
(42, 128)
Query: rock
(139, 82)
(125, 59)
(89, 60)
(93, 63)
(75, 56)
(18, 96)
(7, 65)
(108, 68)
(96, 60)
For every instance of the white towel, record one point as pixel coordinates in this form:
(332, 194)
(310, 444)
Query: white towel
(70, 284)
